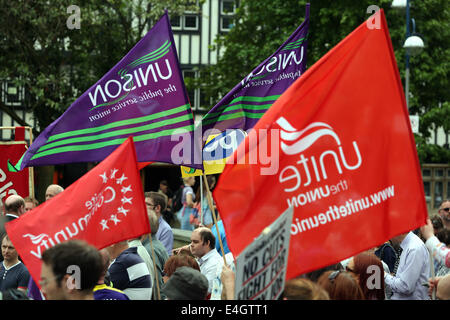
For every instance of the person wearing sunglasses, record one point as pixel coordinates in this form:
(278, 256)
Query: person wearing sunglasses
(444, 213)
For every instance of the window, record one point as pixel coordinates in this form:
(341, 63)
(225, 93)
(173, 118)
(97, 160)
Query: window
(227, 12)
(436, 182)
(227, 7)
(175, 22)
(190, 22)
(13, 95)
(226, 23)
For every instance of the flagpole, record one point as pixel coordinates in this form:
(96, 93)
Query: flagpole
(211, 207)
(433, 276)
(201, 201)
(154, 266)
(31, 169)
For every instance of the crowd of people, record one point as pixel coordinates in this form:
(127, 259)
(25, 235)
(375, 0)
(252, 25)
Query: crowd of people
(411, 266)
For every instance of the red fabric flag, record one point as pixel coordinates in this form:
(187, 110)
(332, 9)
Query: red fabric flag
(142, 165)
(103, 207)
(13, 182)
(344, 156)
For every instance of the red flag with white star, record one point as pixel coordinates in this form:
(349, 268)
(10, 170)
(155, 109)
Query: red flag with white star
(103, 207)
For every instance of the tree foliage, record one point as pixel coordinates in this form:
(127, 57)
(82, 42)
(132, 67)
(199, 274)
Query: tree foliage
(57, 64)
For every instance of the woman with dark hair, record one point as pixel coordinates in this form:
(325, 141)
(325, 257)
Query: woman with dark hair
(341, 285)
(370, 273)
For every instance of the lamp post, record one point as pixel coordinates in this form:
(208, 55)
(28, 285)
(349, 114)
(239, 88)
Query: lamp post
(413, 43)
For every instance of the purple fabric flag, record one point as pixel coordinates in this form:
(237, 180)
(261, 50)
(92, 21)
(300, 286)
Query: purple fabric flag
(246, 103)
(142, 96)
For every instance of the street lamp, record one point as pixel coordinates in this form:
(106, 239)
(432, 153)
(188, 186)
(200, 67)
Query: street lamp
(413, 43)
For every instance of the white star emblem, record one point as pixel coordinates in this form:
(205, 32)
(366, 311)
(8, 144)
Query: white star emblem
(126, 200)
(122, 210)
(126, 189)
(121, 179)
(114, 219)
(104, 224)
(104, 177)
(113, 173)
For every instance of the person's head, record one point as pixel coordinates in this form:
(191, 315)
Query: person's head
(9, 253)
(436, 220)
(190, 181)
(164, 186)
(106, 260)
(15, 204)
(315, 275)
(176, 261)
(444, 211)
(369, 270)
(154, 221)
(186, 284)
(70, 270)
(303, 289)
(444, 236)
(211, 179)
(117, 248)
(341, 285)
(53, 190)
(30, 203)
(202, 241)
(443, 288)
(156, 201)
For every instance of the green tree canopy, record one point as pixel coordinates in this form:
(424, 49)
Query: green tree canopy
(56, 64)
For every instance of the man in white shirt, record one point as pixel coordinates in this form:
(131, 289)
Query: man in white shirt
(413, 269)
(203, 247)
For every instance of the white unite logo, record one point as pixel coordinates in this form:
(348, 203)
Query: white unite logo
(316, 167)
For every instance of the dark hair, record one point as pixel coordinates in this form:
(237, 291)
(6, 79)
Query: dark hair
(315, 275)
(4, 237)
(304, 289)
(15, 205)
(444, 236)
(158, 199)
(362, 263)
(75, 253)
(179, 260)
(207, 235)
(437, 222)
(341, 285)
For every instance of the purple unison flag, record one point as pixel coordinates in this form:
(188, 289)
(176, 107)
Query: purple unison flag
(246, 103)
(141, 96)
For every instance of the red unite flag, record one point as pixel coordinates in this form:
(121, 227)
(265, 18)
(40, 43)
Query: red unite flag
(346, 159)
(103, 207)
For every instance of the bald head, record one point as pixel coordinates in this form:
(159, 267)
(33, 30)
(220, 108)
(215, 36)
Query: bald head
(15, 205)
(53, 190)
(443, 288)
